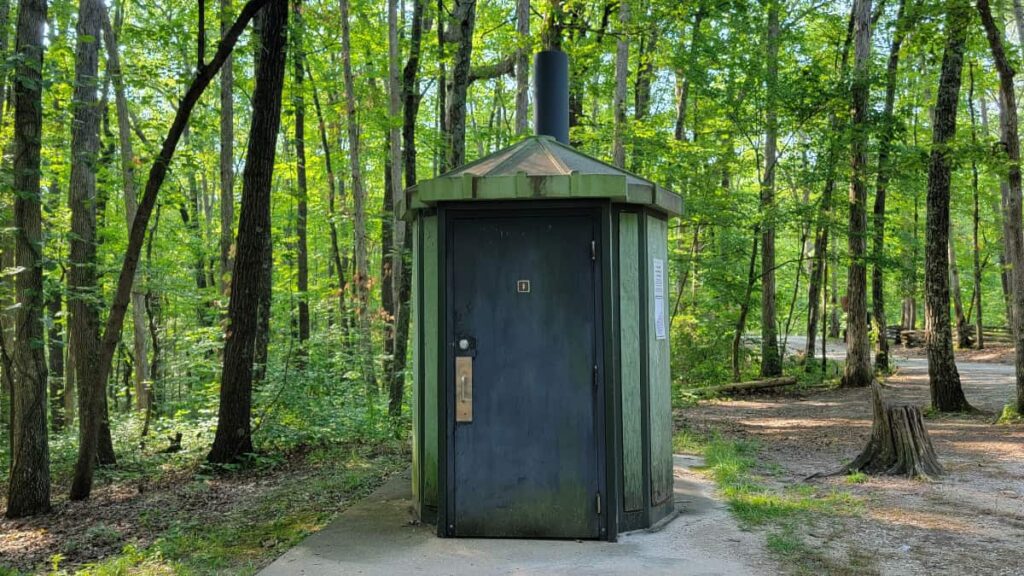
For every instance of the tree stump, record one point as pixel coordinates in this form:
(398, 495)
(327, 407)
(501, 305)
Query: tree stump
(899, 444)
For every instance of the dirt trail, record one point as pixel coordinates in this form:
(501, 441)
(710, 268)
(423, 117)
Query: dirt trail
(971, 521)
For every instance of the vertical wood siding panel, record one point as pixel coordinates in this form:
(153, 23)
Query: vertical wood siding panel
(660, 383)
(629, 366)
(430, 359)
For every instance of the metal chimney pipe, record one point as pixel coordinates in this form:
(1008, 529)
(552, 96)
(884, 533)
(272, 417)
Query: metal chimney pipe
(551, 94)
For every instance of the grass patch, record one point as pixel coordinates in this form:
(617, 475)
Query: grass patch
(1010, 415)
(244, 537)
(734, 467)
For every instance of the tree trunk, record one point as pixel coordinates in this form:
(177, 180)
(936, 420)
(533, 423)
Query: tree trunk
(411, 103)
(962, 335)
(947, 395)
(227, 158)
(771, 360)
(979, 330)
(881, 188)
(619, 98)
(741, 322)
(362, 278)
(858, 352)
(233, 436)
(302, 204)
(339, 268)
(139, 344)
(1012, 239)
(461, 31)
(83, 310)
(684, 89)
(522, 66)
(393, 250)
(28, 488)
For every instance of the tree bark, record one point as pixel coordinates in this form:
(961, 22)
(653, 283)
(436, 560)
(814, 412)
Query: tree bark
(881, 189)
(234, 437)
(339, 268)
(684, 90)
(522, 66)
(946, 393)
(1012, 239)
(302, 203)
(771, 360)
(741, 322)
(227, 158)
(461, 32)
(962, 335)
(28, 487)
(139, 343)
(82, 281)
(619, 98)
(979, 329)
(362, 278)
(858, 352)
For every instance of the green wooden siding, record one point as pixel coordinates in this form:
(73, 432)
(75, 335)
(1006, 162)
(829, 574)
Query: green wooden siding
(430, 356)
(659, 379)
(417, 367)
(629, 366)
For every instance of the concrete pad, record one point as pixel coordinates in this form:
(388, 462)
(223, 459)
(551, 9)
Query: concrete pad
(376, 538)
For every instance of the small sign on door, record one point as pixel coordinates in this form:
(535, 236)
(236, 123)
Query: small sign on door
(523, 286)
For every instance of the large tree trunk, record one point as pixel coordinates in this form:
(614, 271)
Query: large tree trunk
(619, 98)
(1012, 239)
(302, 204)
(28, 488)
(411, 103)
(947, 395)
(233, 436)
(858, 352)
(881, 189)
(82, 285)
(139, 343)
(227, 158)
(771, 360)
(392, 252)
(362, 275)
(461, 32)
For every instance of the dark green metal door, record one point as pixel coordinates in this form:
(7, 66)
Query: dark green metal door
(524, 321)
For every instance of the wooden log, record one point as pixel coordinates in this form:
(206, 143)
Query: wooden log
(748, 386)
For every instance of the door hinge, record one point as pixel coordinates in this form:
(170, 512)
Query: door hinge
(593, 250)
(598, 503)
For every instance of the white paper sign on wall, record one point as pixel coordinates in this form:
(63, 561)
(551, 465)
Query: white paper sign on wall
(660, 332)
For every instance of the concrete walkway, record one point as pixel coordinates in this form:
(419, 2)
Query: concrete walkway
(374, 537)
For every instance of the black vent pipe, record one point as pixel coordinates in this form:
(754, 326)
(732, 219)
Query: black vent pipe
(551, 94)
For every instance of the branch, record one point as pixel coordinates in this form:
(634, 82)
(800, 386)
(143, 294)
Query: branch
(157, 174)
(505, 66)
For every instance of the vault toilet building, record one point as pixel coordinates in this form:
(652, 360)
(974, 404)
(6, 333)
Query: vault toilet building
(542, 397)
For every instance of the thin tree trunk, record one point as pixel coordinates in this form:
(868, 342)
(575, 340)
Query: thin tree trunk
(858, 352)
(1012, 203)
(302, 204)
(979, 332)
(741, 322)
(227, 158)
(522, 66)
(619, 98)
(362, 278)
(958, 303)
(139, 343)
(82, 281)
(28, 488)
(771, 360)
(461, 32)
(881, 189)
(946, 392)
(339, 268)
(684, 90)
(234, 437)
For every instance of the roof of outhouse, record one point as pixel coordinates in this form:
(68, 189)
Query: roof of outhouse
(540, 167)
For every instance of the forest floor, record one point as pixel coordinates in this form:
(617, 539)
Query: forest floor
(970, 521)
(179, 517)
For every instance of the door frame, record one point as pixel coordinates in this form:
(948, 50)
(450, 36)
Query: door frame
(606, 408)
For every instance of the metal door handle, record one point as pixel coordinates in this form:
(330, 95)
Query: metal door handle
(463, 388)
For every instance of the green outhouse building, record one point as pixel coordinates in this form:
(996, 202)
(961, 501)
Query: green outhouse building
(542, 394)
